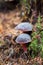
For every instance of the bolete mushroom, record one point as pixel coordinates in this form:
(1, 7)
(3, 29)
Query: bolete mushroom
(23, 39)
(25, 27)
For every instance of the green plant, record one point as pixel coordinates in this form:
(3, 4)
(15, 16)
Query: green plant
(26, 5)
(35, 46)
(38, 24)
(41, 52)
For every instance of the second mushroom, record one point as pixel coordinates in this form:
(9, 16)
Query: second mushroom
(23, 39)
(24, 27)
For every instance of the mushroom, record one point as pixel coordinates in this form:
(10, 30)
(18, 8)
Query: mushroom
(25, 27)
(23, 39)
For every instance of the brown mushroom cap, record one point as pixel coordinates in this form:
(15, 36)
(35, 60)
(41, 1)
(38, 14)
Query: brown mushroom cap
(23, 38)
(26, 26)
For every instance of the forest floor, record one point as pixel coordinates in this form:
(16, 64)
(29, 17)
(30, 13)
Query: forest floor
(11, 53)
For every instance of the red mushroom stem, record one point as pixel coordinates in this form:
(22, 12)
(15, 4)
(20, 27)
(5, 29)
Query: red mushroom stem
(24, 47)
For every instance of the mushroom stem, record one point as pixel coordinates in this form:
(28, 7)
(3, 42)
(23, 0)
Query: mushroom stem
(24, 47)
